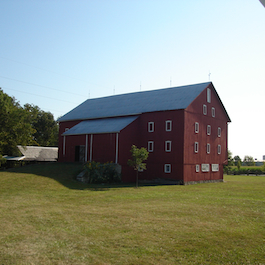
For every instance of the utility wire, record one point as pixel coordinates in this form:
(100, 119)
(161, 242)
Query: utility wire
(39, 95)
(42, 69)
(24, 82)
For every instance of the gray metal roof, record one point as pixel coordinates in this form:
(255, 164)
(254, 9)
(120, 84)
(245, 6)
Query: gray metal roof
(136, 103)
(39, 153)
(108, 125)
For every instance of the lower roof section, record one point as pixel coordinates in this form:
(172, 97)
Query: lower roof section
(109, 125)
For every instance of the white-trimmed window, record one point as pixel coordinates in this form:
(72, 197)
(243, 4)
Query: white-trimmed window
(168, 146)
(168, 126)
(197, 168)
(204, 109)
(208, 95)
(167, 168)
(219, 149)
(150, 146)
(151, 126)
(196, 147)
(66, 129)
(208, 129)
(208, 148)
(219, 132)
(213, 112)
(196, 127)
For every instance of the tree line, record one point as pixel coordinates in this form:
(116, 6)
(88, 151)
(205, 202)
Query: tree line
(24, 125)
(237, 161)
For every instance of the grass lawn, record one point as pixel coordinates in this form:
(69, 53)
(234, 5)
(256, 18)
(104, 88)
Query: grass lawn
(46, 217)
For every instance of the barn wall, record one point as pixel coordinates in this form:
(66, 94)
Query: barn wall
(77, 140)
(129, 136)
(194, 113)
(104, 147)
(137, 133)
(159, 157)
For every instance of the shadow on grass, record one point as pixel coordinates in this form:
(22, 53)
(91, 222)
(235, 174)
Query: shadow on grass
(65, 173)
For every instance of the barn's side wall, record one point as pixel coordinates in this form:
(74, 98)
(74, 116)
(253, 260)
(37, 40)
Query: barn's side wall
(138, 134)
(69, 155)
(194, 113)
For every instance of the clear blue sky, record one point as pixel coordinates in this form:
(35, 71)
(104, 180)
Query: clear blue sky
(57, 53)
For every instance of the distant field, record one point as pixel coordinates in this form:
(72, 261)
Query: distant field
(46, 217)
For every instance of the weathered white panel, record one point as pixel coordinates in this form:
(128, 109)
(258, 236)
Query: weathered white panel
(215, 167)
(205, 167)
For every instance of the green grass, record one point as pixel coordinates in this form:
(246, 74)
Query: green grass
(46, 217)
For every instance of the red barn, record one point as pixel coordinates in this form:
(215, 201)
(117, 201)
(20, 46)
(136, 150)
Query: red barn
(183, 128)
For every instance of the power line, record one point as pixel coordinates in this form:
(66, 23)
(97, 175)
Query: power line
(42, 69)
(24, 82)
(39, 95)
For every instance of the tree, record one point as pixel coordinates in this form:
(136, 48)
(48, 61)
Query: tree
(138, 156)
(230, 162)
(249, 161)
(237, 159)
(238, 164)
(15, 127)
(46, 128)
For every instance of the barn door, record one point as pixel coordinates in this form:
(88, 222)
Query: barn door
(80, 153)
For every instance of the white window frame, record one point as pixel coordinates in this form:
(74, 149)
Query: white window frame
(167, 168)
(168, 146)
(219, 149)
(66, 129)
(219, 131)
(196, 127)
(208, 129)
(196, 147)
(168, 126)
(204, 109)
(208, 148)
(197, 168)
(151, 126)
(150, 146)
(208, 95)
(213, 112)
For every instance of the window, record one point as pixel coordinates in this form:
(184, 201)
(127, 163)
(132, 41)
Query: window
(213, 112)
(219, 149)
(196, 147)
(196, 127)
(168, 126)
(66, 129)
(150, 146)
(219, 132)
(208, 129)
(208, 148)
(204, 109)
(215, 167)
(197, 168)
(208, 95)
(151, 126)
(205, 167)
(168, 146)
(167, 168)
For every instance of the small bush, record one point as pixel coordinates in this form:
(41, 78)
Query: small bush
(101, 173)
(2, 161)
(246, 171)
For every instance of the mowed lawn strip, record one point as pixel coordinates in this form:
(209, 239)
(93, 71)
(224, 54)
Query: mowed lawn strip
(49, 218)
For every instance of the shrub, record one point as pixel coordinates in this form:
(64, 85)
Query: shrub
(2, 161)
(247, 171)
(101, 173)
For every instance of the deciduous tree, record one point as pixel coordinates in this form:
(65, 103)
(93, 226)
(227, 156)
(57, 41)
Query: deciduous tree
(138, 156)
(15, 127)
